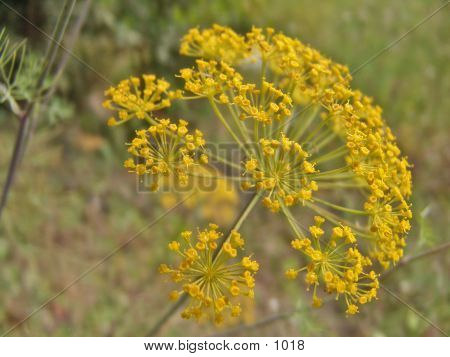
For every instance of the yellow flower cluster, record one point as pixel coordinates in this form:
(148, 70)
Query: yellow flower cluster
(221, 82)
(210, 79)
(306, 137)
(282, 172)
(212, 275)
(137, 97)
(335, 263)
(218, 42)
(166, 149)
(264, 105)
(301, 69)
(375, 157)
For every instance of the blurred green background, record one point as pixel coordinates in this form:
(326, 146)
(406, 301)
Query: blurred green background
(73, 203)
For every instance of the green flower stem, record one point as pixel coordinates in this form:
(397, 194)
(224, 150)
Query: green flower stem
(315, 132)
(341, 208)
(340, 151)
(217, 177)
(292, 221)
(242, 128)
(318, 146)
(345, 169)
(351, 184)
(238, 223)
(338, 220)
(225, 161)
(303, 124)
(226, 125)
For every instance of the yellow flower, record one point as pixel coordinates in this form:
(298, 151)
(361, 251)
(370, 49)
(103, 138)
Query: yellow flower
(291, 274)
(352, 309)
(174, 245)
(211, 277)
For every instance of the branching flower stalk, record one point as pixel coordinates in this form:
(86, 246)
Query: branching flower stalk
(311, 147)
(38, 88)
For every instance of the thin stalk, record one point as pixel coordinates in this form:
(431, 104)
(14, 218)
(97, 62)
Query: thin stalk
(408, 260)
(216, 177)
(345, 169)
(58, 35)
(315, 132)
(331, 155)
(238, 223)
(338, 220)
(225, 161)
(226, 125)
(24, 120)
(303, 125)
(71, 44)
(341, 208)
(326, 185)
(240, 125)
(292, 222)
(325, 141)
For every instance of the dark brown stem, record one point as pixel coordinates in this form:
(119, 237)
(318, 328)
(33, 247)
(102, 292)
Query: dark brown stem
(14, 163)
(25, 119)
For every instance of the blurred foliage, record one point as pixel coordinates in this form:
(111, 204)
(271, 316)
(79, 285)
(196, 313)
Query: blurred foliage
(19, 70)
(73, 202)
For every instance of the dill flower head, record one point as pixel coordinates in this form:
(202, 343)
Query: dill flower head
(282, 171)
(333, 261)
(137, 97)
(265, 104)
(310, 145)
(166, 149)
(218, 42)
(213, 276)
(210, 79)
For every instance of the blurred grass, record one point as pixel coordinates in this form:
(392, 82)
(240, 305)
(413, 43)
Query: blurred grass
(73, 203)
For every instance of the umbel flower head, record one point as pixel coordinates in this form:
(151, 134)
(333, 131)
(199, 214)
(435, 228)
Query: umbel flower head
(217, 42)
(311, 146)
(214, 276)
(137, 97)
(334, 261)
(282, 171)
(166, 149)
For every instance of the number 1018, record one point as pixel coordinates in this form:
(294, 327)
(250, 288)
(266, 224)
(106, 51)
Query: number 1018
(292, 345)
